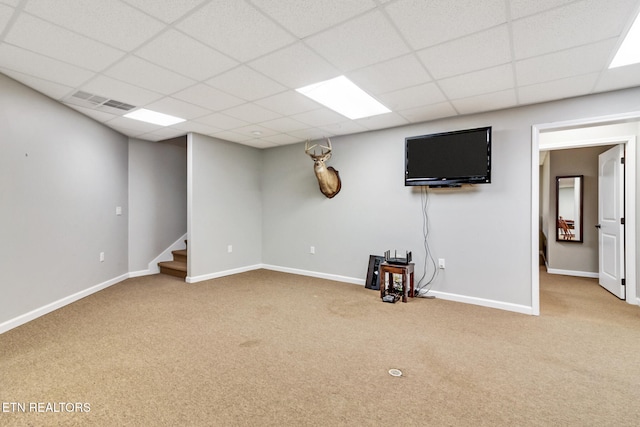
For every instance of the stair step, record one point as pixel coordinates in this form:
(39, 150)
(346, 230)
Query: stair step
(180, 255)
(173, 268)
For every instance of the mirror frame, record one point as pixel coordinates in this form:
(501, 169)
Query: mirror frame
(580, 210)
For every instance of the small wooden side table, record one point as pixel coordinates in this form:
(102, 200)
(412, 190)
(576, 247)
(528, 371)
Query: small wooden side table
(405, 270)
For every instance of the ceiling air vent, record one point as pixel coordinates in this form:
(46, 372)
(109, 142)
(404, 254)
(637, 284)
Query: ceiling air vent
(97, 102)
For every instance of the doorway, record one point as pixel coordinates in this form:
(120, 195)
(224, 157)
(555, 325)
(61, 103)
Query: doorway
(598, 131)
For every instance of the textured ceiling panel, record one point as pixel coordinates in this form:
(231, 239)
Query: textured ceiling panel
(236, 28)
(428, 23)
(39, 36)
(230, 68)
(184, 55)
(306, 17)
(112, 22)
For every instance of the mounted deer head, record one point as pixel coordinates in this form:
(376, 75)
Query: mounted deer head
(328, 177)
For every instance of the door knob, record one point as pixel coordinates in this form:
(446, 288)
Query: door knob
(597, 225)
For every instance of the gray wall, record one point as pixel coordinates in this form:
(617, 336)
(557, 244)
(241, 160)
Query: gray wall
(157, 198)
(484, 233)
(61, 177)
(224, 205)
(581, 257)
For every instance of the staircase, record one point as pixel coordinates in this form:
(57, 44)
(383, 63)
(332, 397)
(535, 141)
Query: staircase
(177, 267)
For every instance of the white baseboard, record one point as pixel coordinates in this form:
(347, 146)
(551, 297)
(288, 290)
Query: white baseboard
(27, 317)
(317, 274)
(38, 312)
(517, 308)
(196, 279)
(443, 295)
(573, 273)
(142, 273)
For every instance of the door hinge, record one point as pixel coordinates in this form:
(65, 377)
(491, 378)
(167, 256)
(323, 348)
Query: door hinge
(622, 160)
(622, 221)
(624, 282)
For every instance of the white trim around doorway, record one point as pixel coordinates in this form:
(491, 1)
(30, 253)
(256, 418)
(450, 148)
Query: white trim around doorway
(630, 194)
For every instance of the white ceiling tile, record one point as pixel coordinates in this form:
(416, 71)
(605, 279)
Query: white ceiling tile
(429, 112)
(284, 124)
(52, 90)
(51, 40)
(180, 53)
(111, 22)
(24, 61)
(486, 102)
(127, 123)
(311, 134)
(306, 17)
(343, 128)
(251, 131)
(149, 76)
(288, 103)
(259, 143)
(295, 66)
(282, 139)
(120, 91)
(404, 99)
(557, 89)
(468, 53)
(6, 13)
(168, 56)
(390, 75)
(163, 133)
(246, 83)
(97, 115)
(428, 23)
(382, 121)
(208, 97)
(319, 117)
(359, 42)
(232, 136)
(133, 133)
(251, 113)
(235, 28)
(619, 78)
(193, 126)
(570, 62)
(167, 11)
(177, 108)
(222, 121)
(575, 24)
(490, 80)
(521, 8)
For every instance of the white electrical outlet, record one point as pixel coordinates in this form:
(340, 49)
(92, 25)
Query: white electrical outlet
(312, 249)
(118, 210)
(441, 263)
(101, 256)
(229, 248)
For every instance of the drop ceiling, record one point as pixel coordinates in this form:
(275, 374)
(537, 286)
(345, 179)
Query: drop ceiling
(231, 67)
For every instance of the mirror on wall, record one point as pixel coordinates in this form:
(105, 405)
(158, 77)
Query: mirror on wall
(569, 190)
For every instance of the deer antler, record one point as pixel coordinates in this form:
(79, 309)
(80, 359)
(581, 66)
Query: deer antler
(308, 149)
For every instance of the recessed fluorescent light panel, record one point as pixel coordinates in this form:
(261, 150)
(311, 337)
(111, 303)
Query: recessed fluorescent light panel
(344, 97)
(154, 117)
(629, 52)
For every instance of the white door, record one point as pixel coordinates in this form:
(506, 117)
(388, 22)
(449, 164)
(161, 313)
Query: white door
(611, 221)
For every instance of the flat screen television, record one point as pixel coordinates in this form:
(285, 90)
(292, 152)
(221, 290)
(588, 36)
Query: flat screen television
(449, 159)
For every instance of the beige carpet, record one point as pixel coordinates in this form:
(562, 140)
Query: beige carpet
(266, 348)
